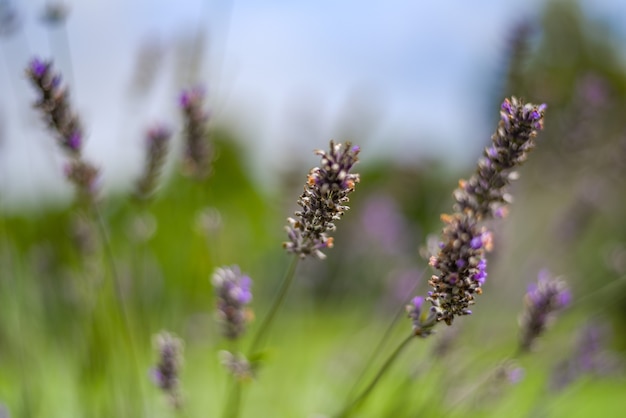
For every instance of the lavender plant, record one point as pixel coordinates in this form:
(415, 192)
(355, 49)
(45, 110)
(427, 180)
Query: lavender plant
(461, 260)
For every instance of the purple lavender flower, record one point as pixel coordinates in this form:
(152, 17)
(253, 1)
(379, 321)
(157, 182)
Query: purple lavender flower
(233, 291)
(197, 151)
(156, 149)
(323, 201)
(541, 303)
(166, 373)
(55, 107)
(461, 260)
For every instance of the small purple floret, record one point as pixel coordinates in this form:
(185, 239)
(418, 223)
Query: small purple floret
(38, 67)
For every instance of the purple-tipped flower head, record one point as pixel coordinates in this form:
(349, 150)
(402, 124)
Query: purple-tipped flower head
(197, 151)
(233, 291)
(54, 104)
(323, 201)
(166, 373)
(541, 303)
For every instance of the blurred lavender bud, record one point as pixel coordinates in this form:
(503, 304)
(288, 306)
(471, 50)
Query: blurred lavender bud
(9, 19)
(54, 104)
(591, 356)
(424, 318)
(233, 292)
(55, 13)
(237, 364)
(541, 303)
(166, 373)
(208, 222)
(197, 152)
(85, 177)
(157, 141)
(323, 201)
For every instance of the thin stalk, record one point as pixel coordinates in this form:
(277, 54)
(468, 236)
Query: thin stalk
(117, 286)
(233, 402)
(363, 396)
(383, 340)
(264, 328)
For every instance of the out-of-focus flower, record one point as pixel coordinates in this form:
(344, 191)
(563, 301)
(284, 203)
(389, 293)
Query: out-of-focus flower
(424, 318)
(166, 373)
(233, 291)
(197, 151)
(237, 364)
(54, 105)
(157, 142)
(55, 13)
(323, 201)
(541, 303)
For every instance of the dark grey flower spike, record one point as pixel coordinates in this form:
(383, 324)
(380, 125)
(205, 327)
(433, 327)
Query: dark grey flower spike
(461, 260)
(323, 201)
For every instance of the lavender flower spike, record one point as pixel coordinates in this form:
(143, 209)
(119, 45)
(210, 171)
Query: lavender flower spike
(166, 373)
(484, 195)
(157, 143)
(541, 302)
(323, 201)
(197, 152)
(461, 260)
(233, 294)
(55, 105)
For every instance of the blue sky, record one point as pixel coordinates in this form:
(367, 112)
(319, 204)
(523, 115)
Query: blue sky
(405, 78)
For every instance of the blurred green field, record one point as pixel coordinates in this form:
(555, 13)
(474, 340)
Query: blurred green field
(72, 344)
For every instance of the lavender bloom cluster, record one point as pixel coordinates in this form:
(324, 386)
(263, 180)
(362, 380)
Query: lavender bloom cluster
(157, 142)
(237, 364)
(166, 373)
(197, 152)
(461, 260)
(233, 290)
(54, 105)
(541, 303)
(323, 201)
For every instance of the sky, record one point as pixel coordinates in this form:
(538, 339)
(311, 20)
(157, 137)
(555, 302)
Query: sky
(405, 79)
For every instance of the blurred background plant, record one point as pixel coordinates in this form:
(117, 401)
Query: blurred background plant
(62, 350)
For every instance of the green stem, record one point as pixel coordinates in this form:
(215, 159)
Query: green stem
(384, 339)
(264, 328)
(363, 396)
(117, 285)
(233, 403)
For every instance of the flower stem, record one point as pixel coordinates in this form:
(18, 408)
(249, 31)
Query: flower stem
(384, 339)
(264, 328)
(234, 397)
(345, 412)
